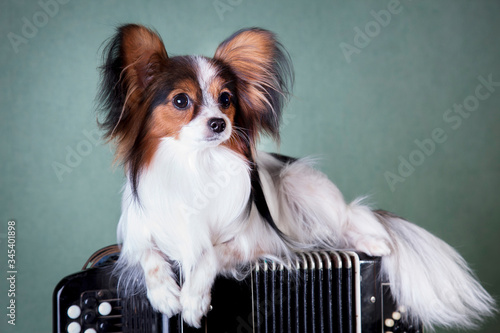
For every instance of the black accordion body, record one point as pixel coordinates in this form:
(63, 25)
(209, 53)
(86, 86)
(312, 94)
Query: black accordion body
(323, 291)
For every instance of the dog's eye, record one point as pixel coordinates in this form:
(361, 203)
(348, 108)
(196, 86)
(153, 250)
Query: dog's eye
(181, 101)
(225, 100)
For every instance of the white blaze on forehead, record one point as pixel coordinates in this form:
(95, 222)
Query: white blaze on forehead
(206, 74)
(198, 131)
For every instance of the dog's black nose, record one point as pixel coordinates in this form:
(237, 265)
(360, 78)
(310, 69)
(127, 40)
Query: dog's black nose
(217, 125)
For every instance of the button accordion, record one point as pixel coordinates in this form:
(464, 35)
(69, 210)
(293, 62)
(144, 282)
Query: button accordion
(323, 291)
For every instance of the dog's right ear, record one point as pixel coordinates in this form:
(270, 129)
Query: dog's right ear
(131, 59)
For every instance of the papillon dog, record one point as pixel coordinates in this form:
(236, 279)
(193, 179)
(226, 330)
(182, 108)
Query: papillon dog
(200, 199)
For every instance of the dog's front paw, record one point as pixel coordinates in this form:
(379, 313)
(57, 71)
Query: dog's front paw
(373, 246)
(165, 298)
(194, 307)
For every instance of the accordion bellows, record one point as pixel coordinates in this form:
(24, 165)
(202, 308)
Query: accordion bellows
(321, 291)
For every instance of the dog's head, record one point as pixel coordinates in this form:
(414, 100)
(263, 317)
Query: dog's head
(202, 102)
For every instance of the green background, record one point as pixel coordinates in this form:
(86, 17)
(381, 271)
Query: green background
(360, 117)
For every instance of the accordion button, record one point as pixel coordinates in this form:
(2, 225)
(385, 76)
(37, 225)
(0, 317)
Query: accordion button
(90, 330)
(90, 302)
(389, 322)
(104, 309)
(74, 327)
(103, 326)
(74, 311)
(89, 317)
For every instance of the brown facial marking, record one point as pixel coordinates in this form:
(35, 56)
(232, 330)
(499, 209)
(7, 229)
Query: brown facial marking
(167, 120)
(216, 88)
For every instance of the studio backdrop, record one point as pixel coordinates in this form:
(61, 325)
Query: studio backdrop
(396, 99)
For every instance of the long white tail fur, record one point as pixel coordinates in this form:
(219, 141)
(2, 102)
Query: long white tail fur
(432, 279)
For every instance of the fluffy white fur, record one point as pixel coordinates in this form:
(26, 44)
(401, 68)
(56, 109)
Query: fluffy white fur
(196, 215)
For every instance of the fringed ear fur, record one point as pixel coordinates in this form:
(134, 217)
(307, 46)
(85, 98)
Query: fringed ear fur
(135, 54)
(265, 77)
(131, 59)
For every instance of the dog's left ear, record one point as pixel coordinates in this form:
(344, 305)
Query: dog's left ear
(264, 78)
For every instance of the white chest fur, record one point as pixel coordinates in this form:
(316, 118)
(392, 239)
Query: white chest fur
(187, 192)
